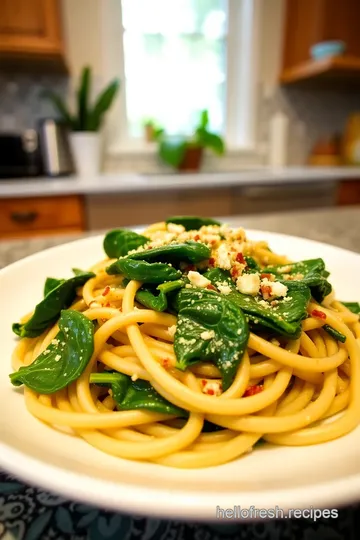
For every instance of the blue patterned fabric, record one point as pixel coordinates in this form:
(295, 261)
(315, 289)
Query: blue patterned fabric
(29, 513)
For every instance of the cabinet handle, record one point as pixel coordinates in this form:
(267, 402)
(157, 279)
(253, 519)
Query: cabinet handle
(24, 217)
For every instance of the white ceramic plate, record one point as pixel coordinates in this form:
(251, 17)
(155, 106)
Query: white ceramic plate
(325, 475)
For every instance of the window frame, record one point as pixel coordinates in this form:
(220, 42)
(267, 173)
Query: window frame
(240, 135)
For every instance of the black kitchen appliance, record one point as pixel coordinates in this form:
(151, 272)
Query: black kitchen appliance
(20, 155)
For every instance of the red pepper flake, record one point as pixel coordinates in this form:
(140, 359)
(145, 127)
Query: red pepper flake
(234, 272)
(210, 391)
(211, 287)
(266, 291)
(107, 304)
(203, 382)
(165, 362)
(106, 290)
(318, 314)
(253, 390)
(190, 267)
(211, 261)
(240, 258)
(267, 276)
(197, 238)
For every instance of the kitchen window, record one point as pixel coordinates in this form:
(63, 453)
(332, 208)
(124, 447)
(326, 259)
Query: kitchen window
(177, 57)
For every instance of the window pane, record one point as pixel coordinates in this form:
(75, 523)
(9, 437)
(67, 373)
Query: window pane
(174, 62)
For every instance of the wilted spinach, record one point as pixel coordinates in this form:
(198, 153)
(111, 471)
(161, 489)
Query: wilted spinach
(284, 318)
(130, 395)
(312, 272)
(190, 252)
(64, 359)
(210, 328)
(192, 223)
(52, 283)
(144, 271)
(119, 242)
(353, 306)
(48, 310)
(156, 298)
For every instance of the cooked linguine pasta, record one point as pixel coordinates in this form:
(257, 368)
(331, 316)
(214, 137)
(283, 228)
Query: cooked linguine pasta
(190, 344)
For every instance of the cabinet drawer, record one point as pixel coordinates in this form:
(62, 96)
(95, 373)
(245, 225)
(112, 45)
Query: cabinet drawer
(21, 216)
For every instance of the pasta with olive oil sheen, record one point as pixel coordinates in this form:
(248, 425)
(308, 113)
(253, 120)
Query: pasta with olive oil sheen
(188, 344)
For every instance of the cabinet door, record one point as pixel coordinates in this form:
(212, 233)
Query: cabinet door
(311, 21)
(30, 26)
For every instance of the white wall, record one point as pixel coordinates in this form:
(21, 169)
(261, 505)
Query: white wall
(272, 25)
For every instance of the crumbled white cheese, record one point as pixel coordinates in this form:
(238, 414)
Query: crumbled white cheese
(207, 334)
(212, 388)
(134, 377)
(248, 284)
(239, 331)
(55, 342)
(57, 357)
(174, 228)
(172, 330)
(224, 288)
(198, 280)
(223, 258)
(277, 289)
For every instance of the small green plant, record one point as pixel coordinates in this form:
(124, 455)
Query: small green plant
(87, 117)
(153, 131)
(172, 149)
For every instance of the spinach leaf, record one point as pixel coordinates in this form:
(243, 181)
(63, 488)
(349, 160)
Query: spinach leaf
(284, 318)
(192, 223)
(130, 395)
(310, 272)
(48, 310)
(144, 271)
(353, 306)
(190, 251)
(334, 333)
(79, 272)
(211, 328)
(119, 242)
(252, 265)
(65, 358)
(157, 299)
(52, 283)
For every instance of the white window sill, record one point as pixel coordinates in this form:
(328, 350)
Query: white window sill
(149, 149)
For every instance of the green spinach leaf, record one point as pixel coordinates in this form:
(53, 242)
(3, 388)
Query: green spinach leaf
(353, 306)
(252, 265)
(65, 358)
(284, 318)
(157, 298)
(130, 395)
(310, 272)
(144, 271)
(48, 310)
(210, 328)
(119, 242)
(191, 252)
(192, 223)
(52, 283)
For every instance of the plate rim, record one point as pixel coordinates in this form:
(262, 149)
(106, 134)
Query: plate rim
(183, 504)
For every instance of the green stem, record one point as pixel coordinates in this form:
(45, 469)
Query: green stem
(103, 378)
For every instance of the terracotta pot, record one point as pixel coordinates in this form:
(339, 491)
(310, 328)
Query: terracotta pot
(192, 159)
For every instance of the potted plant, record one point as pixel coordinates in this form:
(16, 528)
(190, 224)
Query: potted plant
(186, 154)
(86, 122)
(152, 130)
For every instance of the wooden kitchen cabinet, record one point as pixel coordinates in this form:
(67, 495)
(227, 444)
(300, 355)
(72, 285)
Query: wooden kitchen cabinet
(308, 22)
(31, 30)
(38, 216)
